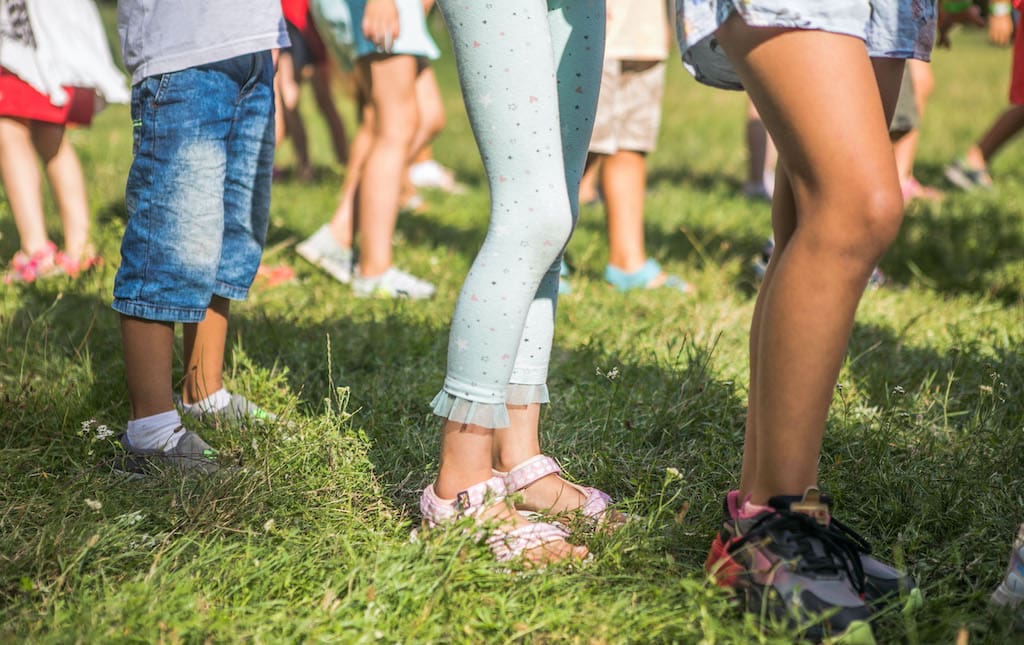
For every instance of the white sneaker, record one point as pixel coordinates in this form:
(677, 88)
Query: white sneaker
(322, 250)
(1010, 592)
(430, 174)
(393, 283)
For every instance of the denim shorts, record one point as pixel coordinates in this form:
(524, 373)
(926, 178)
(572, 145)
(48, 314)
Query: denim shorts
(198, 193)
(889, 28)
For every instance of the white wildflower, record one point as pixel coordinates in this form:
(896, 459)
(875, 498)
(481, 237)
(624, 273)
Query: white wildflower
(94, 504)
(103, 432)
(673, 473)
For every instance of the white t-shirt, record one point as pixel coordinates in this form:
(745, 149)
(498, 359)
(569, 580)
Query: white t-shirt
(637, 30)
(160, 36)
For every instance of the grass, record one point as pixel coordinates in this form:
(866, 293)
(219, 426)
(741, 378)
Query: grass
(308, 538)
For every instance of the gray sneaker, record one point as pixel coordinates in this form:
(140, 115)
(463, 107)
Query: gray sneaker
(393, 283)
(322, 250)
(239, 410)
(190, 455)
(963, 176)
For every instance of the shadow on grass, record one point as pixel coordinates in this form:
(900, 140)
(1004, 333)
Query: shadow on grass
(967, 244)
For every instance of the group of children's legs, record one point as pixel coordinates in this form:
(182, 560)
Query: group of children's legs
(198, 203)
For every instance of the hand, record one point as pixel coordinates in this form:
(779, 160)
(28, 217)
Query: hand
(380, 23)
(1000, 28)
(947, 21)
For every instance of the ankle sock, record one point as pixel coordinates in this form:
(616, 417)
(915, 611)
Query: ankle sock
(155, 432)
(213, 403)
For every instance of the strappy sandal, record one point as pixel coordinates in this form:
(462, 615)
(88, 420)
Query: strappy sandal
(29, 268)
(505, 544)
(86, 262)
(596, 508)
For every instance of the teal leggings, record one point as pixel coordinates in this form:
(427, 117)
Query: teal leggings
(530, 72)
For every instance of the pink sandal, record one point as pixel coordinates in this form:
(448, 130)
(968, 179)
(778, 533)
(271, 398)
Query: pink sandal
(597, 503)
(73, 268)
(504, 544)
(29, 268)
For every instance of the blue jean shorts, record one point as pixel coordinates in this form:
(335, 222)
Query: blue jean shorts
(889, 28)
(198, 193)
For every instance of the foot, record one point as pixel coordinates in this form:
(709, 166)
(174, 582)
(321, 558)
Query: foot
(757, 191)
(190, 454)
(236, 410)
(322, 250)
(540, 488)
(73, 265)
(786, 562)
(31, 267)
(431, 174)
(1010, 592)
(648, 276)
(393, 283)
(509, 535)
(912, 190)
(967, 177)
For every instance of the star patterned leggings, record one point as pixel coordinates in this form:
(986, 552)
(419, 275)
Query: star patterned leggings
(530, 72)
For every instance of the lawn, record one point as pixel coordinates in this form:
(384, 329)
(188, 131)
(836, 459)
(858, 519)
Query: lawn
(307, 537)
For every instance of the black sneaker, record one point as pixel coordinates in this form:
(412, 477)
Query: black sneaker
(788, 564)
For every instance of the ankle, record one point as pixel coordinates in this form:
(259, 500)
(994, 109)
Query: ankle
(507, 459)
(976, 159)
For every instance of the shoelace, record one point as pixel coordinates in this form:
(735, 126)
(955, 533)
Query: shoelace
(840, 549)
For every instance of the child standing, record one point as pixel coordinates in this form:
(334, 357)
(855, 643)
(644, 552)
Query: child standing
(530, 73)
(625, 131)
(837, 207)
(198, 199)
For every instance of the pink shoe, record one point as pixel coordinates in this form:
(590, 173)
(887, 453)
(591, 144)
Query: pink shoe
(913, 189)
(596, 506)
(25, 268)
(73, 268)
(505, 544)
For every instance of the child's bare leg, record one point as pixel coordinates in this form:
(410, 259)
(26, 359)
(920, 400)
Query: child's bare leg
(148, 360)
(431, 109)
(290, 90)
(624, 181)
(321, 82)
(204, 351)
(1006, 126)
(68, 183)
(783, 225)
(906, 147)
(344, 221)
(22, 182)
(591, 178)
(848, 210)
(393, 95)
(761, 153)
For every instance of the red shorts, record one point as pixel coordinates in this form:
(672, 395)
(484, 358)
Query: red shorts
(20, 100)
(1017, 75)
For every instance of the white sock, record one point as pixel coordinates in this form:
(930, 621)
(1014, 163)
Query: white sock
(216, 401)
(156, 432)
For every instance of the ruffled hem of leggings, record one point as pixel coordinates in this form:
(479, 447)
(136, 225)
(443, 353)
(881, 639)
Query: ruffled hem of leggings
(487, 415)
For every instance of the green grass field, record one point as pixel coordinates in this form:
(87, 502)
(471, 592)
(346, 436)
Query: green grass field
(308, 538)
